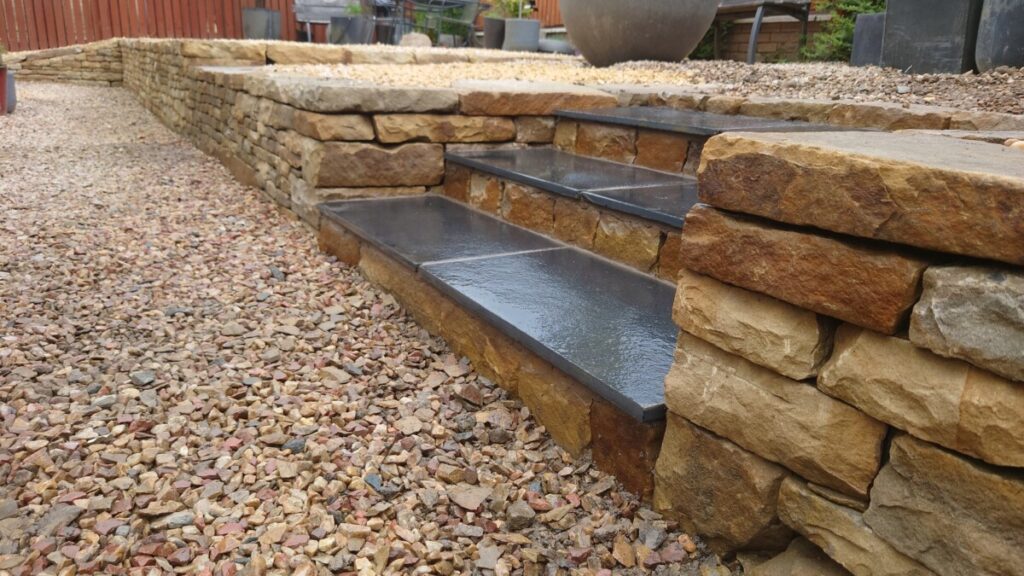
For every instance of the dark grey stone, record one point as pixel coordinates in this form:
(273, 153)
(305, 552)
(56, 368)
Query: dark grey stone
(261, 24)
(867, 40)
(560, 172)
(1001, 35)
(931, 36)
(689, 122)
(420, 229)
(605, 325)
(665, 204)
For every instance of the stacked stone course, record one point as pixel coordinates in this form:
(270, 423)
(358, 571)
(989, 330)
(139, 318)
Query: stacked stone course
(99, 63)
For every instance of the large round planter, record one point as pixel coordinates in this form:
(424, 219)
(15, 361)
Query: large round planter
(494, 33)
(522, 35)
(1000, 35)
(607, 32)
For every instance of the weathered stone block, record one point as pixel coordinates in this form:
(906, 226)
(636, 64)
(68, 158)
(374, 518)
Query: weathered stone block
(624, 447)
(326, 127)
(842, 534)
(952, 514)
(565, 135)
(285, 53)
(338, 242)
(944, 194)
(805, 110)
(396, 128)
(948, 402)
(485, 192)
(350, 164)
(670, 258)
(519, 98)
(575, 222)
(561, 404)
(718, 490)
(607, 141)
(535, 129)
(456, 182)
(864, 285)
(627, 240)
(340, 95)
(791, 341)
(888, 116)
(801, 559)
(528, 207)
(224, 50)
(779, 419)
(975, 314)
(661, 150)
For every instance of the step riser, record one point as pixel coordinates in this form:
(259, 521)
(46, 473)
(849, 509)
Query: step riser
(635, 242)
(644, 147)
(576, 418)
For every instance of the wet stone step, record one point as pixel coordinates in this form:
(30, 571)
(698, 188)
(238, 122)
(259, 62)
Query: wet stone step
(689, 122)
(605, 325)
(650, 194)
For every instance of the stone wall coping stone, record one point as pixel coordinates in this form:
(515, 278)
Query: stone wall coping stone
(340, 95)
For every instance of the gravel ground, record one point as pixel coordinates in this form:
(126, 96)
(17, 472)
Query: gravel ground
(187, 385)
(998, 91)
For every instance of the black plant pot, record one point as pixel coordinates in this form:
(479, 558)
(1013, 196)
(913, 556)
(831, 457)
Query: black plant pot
(351, 30)
(261, 24)
(1000, 35)
(494, 33)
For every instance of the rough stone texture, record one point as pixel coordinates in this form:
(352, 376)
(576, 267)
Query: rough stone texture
(670, 258)
(624, 447)
(338, 242)
(528, 207)
(575, 222)
(456, 182)
(349, 164)
(975, 314)
(952, 514)
(945, 401)
(397, 128)
(944, 194)
(779, 419)
(332, 126)
(888, 116)
(535, 129)
(807, 110)
(627, 240)
(661, 150)
(517, 98)
(867, 286)
(791, 341)
(801, 559)
(224, 50)
(565, 135)
(607, 141)
(842, 534)
(306, 198)
(718, 490)
(333, 96)
(485, 192)
(560, 403)
(283, 53)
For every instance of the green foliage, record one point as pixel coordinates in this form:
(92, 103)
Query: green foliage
(354, 9)
(835, 41)
(3, 49)
(509, 9)
(706, 49)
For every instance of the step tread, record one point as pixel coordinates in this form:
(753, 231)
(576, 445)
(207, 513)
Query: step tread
(689, 122)
(642, 192)
(605, 325)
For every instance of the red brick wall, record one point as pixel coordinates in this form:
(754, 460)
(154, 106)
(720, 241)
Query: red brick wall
(777, 41)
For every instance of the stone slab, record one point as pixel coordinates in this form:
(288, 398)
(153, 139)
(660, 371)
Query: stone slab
(561, 172)
(417, 230)
(801, 559)
(691, 122)
(522, 98)
(361, 164)
(606, 326)
(974, 314)
(341, 95)
(665, 204)
(952, 514)
(944, 194)
(396, 128)
(864, 285)
(945, 401)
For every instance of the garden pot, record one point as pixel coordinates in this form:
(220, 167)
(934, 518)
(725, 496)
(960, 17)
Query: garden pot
(521, 35)
(261, 24)
(607, 32)
(7, 98)
(351, 30)
(1000, 35)
(494, 33)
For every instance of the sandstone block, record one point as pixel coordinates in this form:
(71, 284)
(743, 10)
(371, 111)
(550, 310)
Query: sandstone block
(485, 192)
(718, 490)
(944, 194)
(519, 98)
(888, 116)
(565, 135)
(396, 128)
(224, 50)
(944, 401)
(535, 129)
(988, 121)
(340, 95)
(560, 403)
(864, 285)
(974, 314)
(805, 110)
(842, 534)
(607, 141)
(670, 259)
(327, 127)
(791, 341)
(350, 164)
(338, 242)
(629, 241)
(456, 182)
(624, 447)
(575, 222)
(801, 559)
(661, 150)
(528, 207)
(777, 418)
(950, 513)
(306, 198)
(285, 53)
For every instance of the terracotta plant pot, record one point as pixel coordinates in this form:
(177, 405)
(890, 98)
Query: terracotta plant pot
(607, 32)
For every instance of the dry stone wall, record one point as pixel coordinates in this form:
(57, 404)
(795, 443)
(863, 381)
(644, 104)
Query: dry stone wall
(98, 64)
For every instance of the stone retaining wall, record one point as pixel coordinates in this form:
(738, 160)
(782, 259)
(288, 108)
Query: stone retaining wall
(98, 63)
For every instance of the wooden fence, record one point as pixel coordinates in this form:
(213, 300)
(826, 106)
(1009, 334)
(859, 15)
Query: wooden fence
(39, 24)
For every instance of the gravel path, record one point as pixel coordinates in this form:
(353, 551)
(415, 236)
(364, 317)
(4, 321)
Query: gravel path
(187, 385)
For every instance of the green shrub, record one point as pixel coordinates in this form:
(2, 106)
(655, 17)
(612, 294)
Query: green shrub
(835, 41)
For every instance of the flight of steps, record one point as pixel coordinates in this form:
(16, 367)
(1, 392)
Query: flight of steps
(553, 269)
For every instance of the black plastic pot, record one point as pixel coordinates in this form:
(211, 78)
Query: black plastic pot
(494, 33)
(7, 96)
(521, 34)
(261, 24)
(1000, 35)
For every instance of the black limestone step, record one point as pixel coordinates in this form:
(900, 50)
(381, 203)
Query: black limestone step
(657, 196)
(607, 326)
(688, 122)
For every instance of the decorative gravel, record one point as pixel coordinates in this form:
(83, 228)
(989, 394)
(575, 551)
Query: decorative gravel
(188, 385)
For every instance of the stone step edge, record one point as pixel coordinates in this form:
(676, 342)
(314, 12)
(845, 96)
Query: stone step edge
(694, 133)
(595, 197)
(647, 416)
